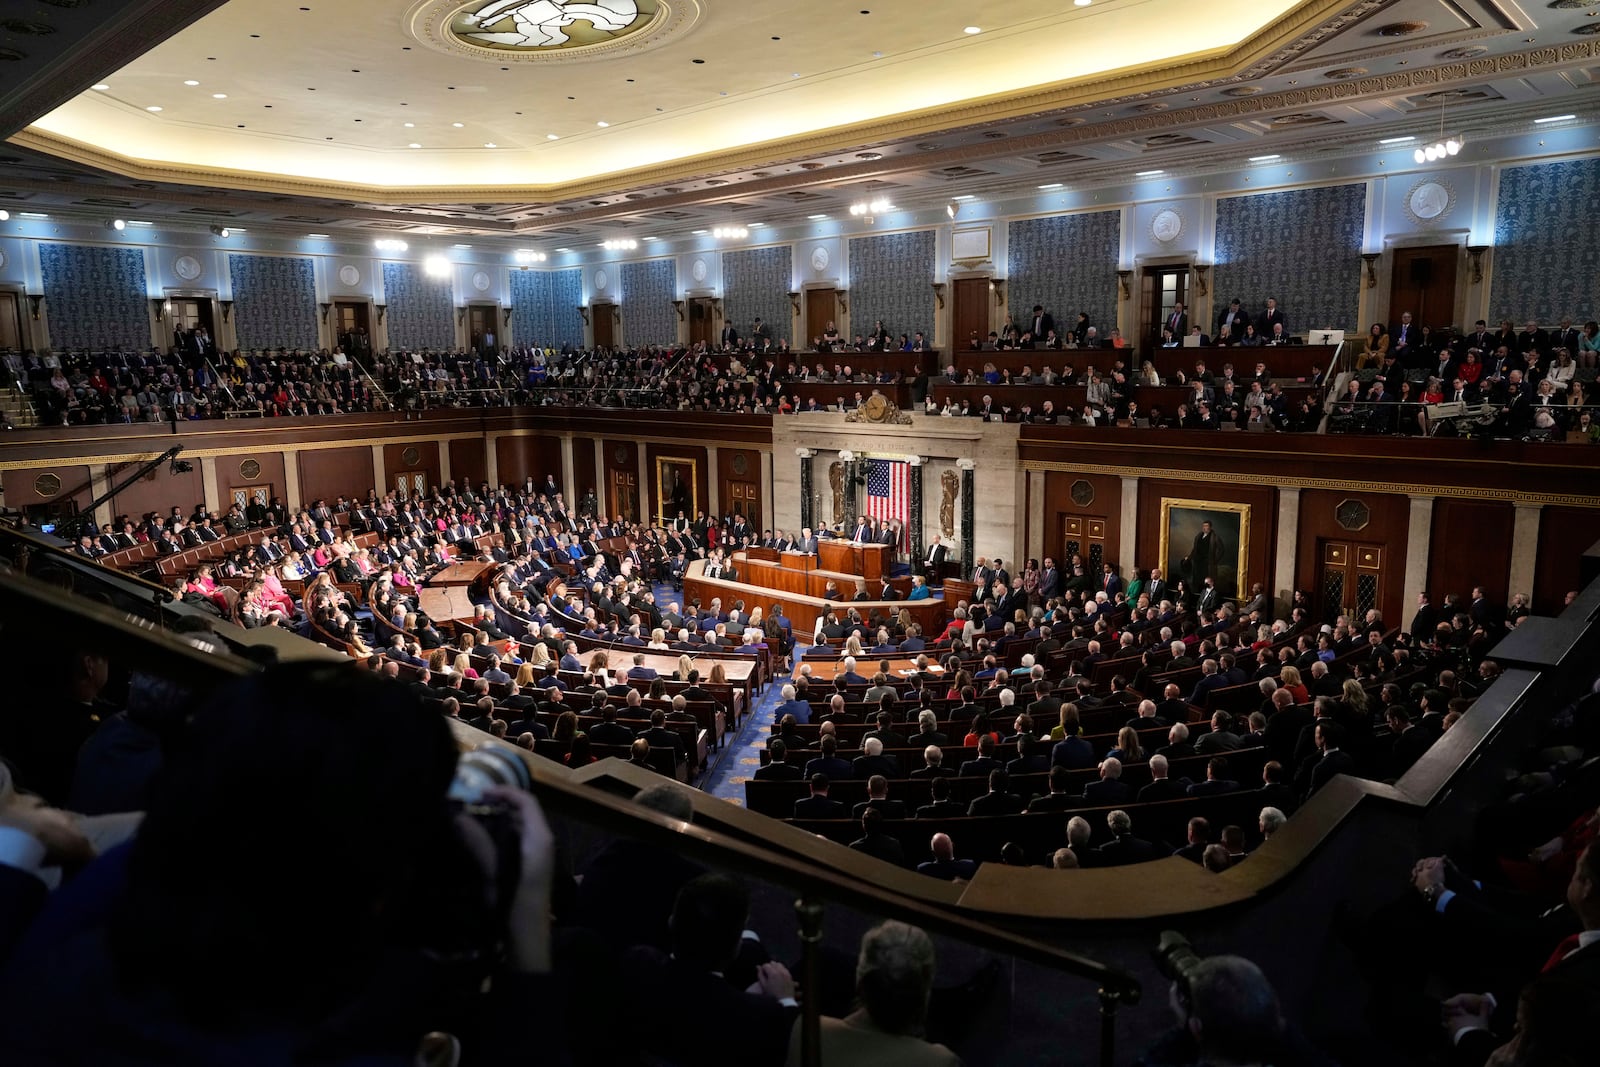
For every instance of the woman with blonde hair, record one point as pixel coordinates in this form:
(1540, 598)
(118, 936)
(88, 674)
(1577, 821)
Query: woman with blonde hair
(463, 666)
(685, 665)
(1128, 749)
(1289, 678)
(525, 674)
(658, 640)
(538, 655)
(852, 646)
(1354, 697)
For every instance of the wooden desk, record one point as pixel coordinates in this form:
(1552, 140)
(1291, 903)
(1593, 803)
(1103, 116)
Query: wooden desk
(855, 558)
(460, 573)
(741, 671)
(804, 610)
(813, 582)
(901, 664)
(448, 603)
(797, 561)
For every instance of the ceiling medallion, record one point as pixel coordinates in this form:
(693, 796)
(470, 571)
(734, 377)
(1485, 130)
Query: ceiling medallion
(1241, 90)
(1471, 51)
(1344, 73)
(1400, 29)
(1588, 28)
(549, 31)
(1430, 200)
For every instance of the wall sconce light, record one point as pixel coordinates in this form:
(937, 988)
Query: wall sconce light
(585, 313)
(505, 315)
(35, 304)
(159, 307)
(716, 308)
(1371, 259)
(227, 310)
(1200, 272)
(325, 309)
(1475, 257)
(938, 294)
(794, 302)
(616, 313)
(381, 309)
(997, 286)
(677, 305)
(1122, 283)
(461, 315)
(844, 301)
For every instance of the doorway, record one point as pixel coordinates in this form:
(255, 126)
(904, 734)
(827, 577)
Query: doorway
(1424, 283)
(604, 325)
(352, 327)
(1349, 579)
(1163, 289)
(11, 322)
(1085, 536)
(411, 485)
(701, 313)
(821, 308)
(189, 314)
(480, 328)
(623, 495)
(971, 314)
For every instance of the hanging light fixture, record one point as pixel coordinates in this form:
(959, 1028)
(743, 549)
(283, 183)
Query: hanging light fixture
(1445, 146)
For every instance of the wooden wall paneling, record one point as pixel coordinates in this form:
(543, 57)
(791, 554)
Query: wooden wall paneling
(468, 461)
(412, 456)
(1388, 520)
(20, 491)
(158, 491)
(739, 485)
(1097, 497)
(621, 495)
(701, 488)
(1564, 534)
(522, 457)
(329, 473)
(583, 472)
(1470, 545)
(1263, 501)
(269, 470)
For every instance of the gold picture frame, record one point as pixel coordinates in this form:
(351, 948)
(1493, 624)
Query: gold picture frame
(1181, 523)
(673, 472)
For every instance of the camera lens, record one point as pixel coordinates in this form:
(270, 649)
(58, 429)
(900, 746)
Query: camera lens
(483, 768)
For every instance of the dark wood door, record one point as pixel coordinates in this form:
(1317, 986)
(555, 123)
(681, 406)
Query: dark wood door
(1424, 283)
(822, 307)
(480, 327)
(352, 326)
(701, 313)
(604, 325)
(1349, 579)
(744, 498)
(10, 322)
(1162, 289)
(624, 495)
(1083, 536)
(971, 313)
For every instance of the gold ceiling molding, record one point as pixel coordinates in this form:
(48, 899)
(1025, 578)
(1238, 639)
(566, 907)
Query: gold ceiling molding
(1291, 33)
(1338, 484)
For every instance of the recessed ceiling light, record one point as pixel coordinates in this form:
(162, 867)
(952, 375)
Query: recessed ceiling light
(409, 125)
(413, 144)
(191, 81)
(753, 225)
(964, 196)
(1147, 173)
(563, 250)
(1082, 3)
(697, 233)
(877, 55)
(436, 267)
(795, 75)
(602, 124)
(102, 87)
(1264, 159)
(317, 236)
(389, 244)
(1051, 185)
(219, 96)
(490, 144)
(815, 218)
(1396, 140)
(32, 215)
(552, 137)
(458, 125)
(153, 107)
(973, 29)
(460, 246)
(139, 222)
(1554, 118)
(117, 224)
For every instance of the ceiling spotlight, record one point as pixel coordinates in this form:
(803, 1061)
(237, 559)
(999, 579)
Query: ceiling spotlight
(102, 87)
(620, 244)
(552, 137)
(602, 124)
(965, 196)
(436, 267)
(972, 29)
(1147, 173)
(221, 231)
(871, 207)
(413, 144)
(459, 125)
(219, 96)
(490, 144)
(1051, 185)
(816, 218)
(116, 224)
(5, 216)
(317, 236)
(528, 255)
(390, 244)
(1553, 118)
(1264, 159)
(1081, 3)
(191, 81)
(729, 233)
(153, 108)
(409, 125)
(1397, 140)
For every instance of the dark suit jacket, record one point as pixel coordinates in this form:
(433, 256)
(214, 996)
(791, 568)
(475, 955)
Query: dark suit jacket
(1073, 753)
(892, 809)
(815, 807)
(1055, 802)
(779, 772)
(1127, 849)
(995, 804)
(866, 766)
(1107, 791)
(941, 809)
(751, 1029)
(1164, 789)
(980, 767)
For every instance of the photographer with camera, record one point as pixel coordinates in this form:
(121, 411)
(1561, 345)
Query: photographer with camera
(315, 880)
(1228, 1014)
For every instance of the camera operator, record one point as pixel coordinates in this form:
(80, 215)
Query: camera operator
(302, 889)
(1228, 1014)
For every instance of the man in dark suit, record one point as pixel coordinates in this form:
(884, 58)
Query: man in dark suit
(1162, 787)
(941, 806)
(828, 763)
(1029, 759)
(1217, 781)
(1124, 848)
(1040, 323)
(985, 763)
(884, 732)
(997, 801)
(1177, 321)
(1271, 319)
(1073, 753)
(1327, 761)
(933, 557)
(817, 805)
(729, 337)
(1058, 798)
(1110, 789)
(1231, 321)
(877, 843)
(608, 731)
(873, 763)
(862, 530)
(777, 770)
(944, 863)
(1205, 554)
(878, 797)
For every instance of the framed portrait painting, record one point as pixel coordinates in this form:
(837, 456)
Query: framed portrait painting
(677, 487)
(1203, 539)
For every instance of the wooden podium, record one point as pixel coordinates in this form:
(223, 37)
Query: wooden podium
(804, 562)
(870, 561)
(956, 591)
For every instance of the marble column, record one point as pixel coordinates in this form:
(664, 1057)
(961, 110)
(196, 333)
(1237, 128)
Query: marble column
(647, 504)
(569, 475)
(969, 515)
(805, 455)
(1283, 560)
(291, 478)
(1524, 548)
(1034, 516)
(712, 502)
(99, 482)
(208, 481)
(444, 462)
(914, 504)
(600, 472)
(1128, 541)
(769, 510)
(380, 477)
(1418, 534)
(491, 462)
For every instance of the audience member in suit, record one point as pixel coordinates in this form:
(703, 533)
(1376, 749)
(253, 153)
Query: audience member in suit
(660, 737)
(1072, 751)
(933, 764)
(944, 863)
(1217, 781)
(941, 806)
(1058, 799)
(829, 763)
(776, 769)
(817, 805)
(1220, 738)
(708, 922)
(1124, 848)
(1162, 787)
(997, 801)
(1110, 789)
(1199, 838)
(875, 842)
(873, 763)
(1328, 760)
(1029, 759)
(878, 798)
(609, 731)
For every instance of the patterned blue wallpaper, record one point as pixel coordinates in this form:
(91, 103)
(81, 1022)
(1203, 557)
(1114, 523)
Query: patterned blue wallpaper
(421, 312)
(648, 289)
(95, 297)
(546, 306)
(274, 301)
(1068, 263)
(1262, 245)
(1545, 270)
(891, 278)
(755, 284)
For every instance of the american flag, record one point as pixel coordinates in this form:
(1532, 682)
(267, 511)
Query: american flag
(889, 494)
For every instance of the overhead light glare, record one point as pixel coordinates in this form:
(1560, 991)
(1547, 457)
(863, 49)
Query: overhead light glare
(191, 82)
(552, 137)
(1397, 140)
(153, 108)
(390, 244)
(219, 96)
(117, 224)
(32, 215)
(1051, 185)
(1554, 118)
(620, 244)
(528, 255)
(730, 233)
(460, 246)
(317, 236)
(139, 222)
(816, 218)
(221, 231)
(102, 87)
(1147, 173)
(1264, 159)
(602, 124)
(436, 267)
(972, 29)
(965, 196)
(563, 250)
(697, 233)
(871, 207)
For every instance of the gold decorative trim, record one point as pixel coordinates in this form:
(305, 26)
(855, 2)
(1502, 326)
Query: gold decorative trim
(1241, 565)
(1339, 484)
